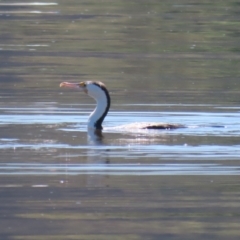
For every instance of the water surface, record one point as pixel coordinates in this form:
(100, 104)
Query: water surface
(162, 62)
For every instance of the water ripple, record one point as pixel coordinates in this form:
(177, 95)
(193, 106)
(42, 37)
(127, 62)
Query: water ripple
(118, 169)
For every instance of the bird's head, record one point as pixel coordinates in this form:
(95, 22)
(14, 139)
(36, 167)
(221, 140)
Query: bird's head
(96, 90)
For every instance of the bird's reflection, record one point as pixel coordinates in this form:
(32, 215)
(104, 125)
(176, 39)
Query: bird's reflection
(95, 137)
(97, 154)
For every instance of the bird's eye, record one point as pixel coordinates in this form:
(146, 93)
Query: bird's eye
(82, 84)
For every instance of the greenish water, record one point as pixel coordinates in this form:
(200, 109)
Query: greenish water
(172, 61)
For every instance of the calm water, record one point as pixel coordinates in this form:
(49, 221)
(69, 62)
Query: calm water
(162, 61)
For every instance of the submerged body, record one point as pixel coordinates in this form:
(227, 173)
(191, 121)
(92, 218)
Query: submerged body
(99, 92)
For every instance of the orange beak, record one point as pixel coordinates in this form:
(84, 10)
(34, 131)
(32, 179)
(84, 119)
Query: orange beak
(69, 85)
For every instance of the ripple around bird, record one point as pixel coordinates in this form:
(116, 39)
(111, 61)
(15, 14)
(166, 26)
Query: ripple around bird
(58, 134)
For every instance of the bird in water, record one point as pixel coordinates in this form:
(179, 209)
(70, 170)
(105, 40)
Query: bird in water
(99, 92)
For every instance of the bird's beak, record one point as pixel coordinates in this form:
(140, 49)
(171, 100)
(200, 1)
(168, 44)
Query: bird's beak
(70, 85)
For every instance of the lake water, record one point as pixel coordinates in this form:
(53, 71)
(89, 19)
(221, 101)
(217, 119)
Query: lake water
(162, 61)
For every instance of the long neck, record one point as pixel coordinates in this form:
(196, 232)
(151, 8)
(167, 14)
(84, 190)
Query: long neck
(97, 116)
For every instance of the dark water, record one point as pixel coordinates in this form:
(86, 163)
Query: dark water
(162, 61)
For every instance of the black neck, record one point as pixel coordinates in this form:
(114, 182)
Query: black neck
(98, 123)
